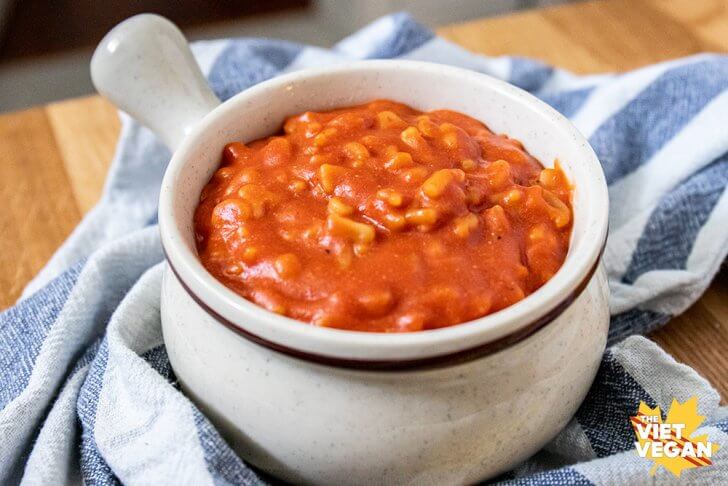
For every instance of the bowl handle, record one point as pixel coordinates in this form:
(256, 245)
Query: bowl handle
(145, 67)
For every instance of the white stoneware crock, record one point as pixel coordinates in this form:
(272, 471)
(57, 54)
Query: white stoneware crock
(316, 405)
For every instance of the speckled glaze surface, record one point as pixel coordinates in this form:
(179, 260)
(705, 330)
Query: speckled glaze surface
(145, 67)
(308, 423)
(312, 423)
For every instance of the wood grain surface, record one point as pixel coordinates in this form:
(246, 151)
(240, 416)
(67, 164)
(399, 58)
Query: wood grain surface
(54, 159)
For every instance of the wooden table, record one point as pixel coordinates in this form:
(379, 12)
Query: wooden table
(54, 159)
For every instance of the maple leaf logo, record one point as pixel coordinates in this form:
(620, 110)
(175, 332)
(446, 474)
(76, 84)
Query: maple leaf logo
(670, 444)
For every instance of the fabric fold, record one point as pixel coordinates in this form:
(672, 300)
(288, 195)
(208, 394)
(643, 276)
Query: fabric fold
(85, 384)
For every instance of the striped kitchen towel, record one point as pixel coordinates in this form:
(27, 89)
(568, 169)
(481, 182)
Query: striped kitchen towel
(86, 390)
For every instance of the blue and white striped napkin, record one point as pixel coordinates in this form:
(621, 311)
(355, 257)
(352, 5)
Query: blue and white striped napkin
(86, 390)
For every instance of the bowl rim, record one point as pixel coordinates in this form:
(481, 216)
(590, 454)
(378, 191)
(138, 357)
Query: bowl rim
(387, 351)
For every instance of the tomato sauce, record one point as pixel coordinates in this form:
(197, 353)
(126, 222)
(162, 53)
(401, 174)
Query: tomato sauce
(382, 218)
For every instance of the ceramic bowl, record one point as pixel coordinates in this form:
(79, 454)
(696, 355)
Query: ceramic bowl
(317, 405)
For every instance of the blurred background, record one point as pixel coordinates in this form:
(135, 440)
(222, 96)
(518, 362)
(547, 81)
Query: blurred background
(46, 45)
